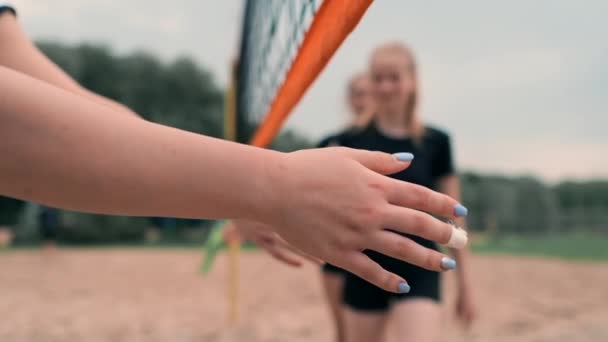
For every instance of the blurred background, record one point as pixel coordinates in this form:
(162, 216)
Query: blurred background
(521, 86)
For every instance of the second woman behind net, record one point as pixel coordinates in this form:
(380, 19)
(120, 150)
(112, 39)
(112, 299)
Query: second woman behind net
(361, 109)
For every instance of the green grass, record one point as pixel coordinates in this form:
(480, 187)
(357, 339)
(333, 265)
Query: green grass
(586, 247)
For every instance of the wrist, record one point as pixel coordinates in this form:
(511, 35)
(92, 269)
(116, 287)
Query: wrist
(268, 187)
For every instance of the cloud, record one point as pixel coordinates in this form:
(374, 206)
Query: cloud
(553, 159)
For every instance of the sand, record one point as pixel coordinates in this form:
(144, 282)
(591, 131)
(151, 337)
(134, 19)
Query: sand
(157, 295)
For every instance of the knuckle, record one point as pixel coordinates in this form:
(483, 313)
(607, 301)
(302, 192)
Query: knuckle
(342, 242)
(418, 196)
(418, 223)
(370, 216)
(430, 260)
(402, 247)
(378, 185)
(386, 280)
(426, 199)
(345, 242)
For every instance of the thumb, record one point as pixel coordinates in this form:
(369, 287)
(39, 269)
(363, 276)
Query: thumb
(381, 162)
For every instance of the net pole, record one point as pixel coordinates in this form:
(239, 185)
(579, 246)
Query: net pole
(333, 22)
(234, 245)
(233, 281)
(230, 108)
(240, 82)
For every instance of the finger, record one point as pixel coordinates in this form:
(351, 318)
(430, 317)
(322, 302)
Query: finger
(421, 224)
(402, 248)
(288, 246)
(279, 254)
(422, 198)
(367, 269)
(294, 250)
(380, 162)
(286, 257)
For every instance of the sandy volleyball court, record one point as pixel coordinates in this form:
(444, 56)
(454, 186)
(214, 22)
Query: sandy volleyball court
(157, 295)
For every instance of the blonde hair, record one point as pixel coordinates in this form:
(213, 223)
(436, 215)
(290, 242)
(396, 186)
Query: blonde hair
(414, 125)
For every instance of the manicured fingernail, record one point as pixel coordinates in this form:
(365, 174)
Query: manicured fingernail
(460, 210)
(448, 263)
(404, 288)
(404, 156)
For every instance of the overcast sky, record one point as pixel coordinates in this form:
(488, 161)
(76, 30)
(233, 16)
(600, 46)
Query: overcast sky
(522, 86)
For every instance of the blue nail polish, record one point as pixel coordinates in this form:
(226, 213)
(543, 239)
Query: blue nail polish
(460, 210)
(404, 156)
(448, 263)
(404, 288)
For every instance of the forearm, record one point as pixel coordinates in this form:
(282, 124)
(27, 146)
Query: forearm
(67, 151)
(115, 107)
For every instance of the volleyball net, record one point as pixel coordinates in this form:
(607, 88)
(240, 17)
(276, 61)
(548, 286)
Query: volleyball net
(285, 44)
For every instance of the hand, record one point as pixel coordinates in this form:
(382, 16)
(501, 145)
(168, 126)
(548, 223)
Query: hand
(334, 203)
(466, 310)
(270, 241)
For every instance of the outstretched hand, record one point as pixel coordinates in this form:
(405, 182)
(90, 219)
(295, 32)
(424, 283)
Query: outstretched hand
(344, 205)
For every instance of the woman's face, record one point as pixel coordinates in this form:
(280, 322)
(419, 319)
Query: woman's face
(359, 95)
(393, 81)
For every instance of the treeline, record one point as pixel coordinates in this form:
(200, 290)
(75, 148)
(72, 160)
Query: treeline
(525, 205)
(184, 95)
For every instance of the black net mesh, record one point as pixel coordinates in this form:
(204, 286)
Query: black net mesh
(273, 31)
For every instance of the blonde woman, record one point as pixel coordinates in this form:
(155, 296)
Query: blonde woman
(397, 126)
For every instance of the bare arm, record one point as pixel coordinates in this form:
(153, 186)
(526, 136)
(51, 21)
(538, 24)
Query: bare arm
(17, 52)
(64, 150)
